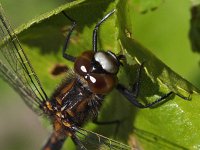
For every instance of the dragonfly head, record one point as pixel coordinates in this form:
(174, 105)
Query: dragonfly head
(99, 69)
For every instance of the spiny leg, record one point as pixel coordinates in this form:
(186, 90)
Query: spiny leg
(54, 142)
(94, 41)
(132, 95)
(65, 55)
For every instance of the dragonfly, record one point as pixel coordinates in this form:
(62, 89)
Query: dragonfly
(79, 97)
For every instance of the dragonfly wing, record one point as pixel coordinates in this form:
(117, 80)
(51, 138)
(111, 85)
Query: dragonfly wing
(16, 68)
(92, 140)
(30, 100)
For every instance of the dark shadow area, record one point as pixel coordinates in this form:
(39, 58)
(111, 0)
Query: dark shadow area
(194, 32)
(50, 34)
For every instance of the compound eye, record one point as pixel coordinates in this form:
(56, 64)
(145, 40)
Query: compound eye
(101, 83)
(107, 62)
(83, 63)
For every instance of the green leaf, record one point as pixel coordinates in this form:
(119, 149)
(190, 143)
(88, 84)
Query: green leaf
(30, 9)
(172, 125)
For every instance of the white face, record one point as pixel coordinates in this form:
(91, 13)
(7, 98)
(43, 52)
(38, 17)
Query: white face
(107, 61)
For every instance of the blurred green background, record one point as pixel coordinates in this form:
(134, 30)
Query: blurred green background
(164, 31)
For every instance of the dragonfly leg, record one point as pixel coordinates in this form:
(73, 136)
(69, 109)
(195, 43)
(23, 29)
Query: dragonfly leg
(65, 55)
(94, 39)
(54, 142)
(132, 94)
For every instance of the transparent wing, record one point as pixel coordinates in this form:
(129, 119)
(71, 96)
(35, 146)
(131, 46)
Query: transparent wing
(16, 68)
(92, 140)
(23, 91)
